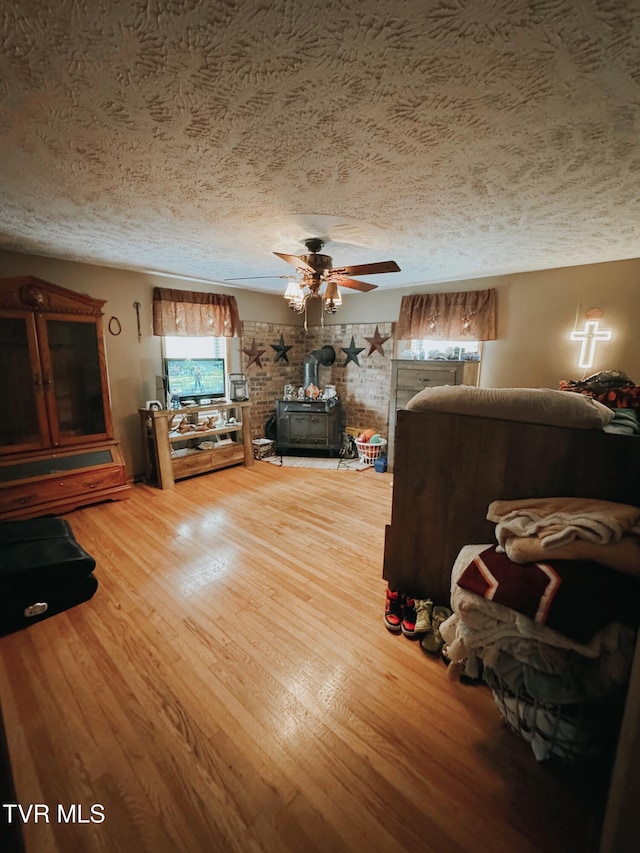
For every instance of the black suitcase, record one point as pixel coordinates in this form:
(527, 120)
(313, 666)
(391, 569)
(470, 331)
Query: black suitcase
(43, 571)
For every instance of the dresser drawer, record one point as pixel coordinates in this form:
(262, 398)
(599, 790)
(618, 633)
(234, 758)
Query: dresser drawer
(425, 377)
(186, 464)
(53, 488)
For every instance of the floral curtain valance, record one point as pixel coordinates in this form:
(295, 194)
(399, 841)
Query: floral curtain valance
(448, 316)
(189, 313)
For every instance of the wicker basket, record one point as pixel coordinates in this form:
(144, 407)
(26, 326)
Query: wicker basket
(368, 453)
(566, 732)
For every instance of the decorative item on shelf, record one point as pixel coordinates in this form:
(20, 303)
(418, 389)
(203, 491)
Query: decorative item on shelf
(281, 350)
(238, 387)
(312, 392)
(352, 352)
(254, 354)
(376, 342)
(289, 392)
(154, 405)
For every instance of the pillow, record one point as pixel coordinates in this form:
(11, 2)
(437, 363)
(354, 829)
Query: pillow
(532, 405)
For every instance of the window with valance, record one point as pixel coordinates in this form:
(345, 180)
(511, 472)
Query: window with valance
(467, 315)
(194, 314)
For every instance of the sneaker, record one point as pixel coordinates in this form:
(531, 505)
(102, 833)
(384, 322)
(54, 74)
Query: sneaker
(424, 609)
(409, 616)
(432, 641)
(393, 609)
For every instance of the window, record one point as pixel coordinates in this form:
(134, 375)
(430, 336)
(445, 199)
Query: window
(179, 347)
(427, 348)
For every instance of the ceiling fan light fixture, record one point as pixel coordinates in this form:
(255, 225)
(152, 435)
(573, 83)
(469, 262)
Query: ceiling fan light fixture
(315, 269)
(294, 296)
(332, 298)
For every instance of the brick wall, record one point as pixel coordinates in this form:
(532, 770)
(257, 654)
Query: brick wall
(364, 390)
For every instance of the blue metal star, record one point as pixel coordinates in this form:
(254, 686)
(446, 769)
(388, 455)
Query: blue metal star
(352, 352)
(281, 350)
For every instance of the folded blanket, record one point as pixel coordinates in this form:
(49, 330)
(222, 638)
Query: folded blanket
(575, 597)
(558, 521)
(624, 422)
(479, 622)
(623, 556)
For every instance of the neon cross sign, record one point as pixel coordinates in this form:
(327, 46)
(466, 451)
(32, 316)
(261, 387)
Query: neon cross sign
(590, 336)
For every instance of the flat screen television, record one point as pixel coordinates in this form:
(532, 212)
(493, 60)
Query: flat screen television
(195, 379)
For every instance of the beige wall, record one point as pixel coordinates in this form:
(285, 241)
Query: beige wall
(536, 312)
(133, 366)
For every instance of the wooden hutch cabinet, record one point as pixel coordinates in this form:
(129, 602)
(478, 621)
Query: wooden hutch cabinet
(57, 448)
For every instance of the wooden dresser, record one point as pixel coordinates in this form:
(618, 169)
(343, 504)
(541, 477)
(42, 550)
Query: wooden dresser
(408, 377)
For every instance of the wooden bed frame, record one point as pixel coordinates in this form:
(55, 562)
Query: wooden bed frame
(449, 468)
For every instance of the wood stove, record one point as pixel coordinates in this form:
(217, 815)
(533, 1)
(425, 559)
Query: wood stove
(309, 425)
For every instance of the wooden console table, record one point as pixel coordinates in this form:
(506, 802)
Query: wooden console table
(171, 454)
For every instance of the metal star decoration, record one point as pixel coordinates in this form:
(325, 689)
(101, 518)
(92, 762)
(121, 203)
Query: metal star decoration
(281, 350)
(376, 342)
(254, 354)
(352, 352)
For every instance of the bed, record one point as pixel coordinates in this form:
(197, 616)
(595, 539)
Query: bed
(450, 465)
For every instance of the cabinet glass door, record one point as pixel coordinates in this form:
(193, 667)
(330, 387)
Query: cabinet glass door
(23, 425)
(73, 381)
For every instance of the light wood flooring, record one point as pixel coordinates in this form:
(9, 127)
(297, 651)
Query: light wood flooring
(232, 687)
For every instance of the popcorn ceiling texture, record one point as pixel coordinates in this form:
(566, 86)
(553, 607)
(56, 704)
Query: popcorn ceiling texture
(459, 137)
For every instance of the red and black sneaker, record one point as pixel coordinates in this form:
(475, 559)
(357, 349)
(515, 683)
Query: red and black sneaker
(409, 617)
(393, 609)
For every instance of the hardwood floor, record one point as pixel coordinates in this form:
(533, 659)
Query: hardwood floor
(231, 686)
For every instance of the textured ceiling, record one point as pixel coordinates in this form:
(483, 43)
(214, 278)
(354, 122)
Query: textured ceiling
(460, 138)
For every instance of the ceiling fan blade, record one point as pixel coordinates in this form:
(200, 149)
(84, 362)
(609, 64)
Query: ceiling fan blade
(295, 261)
(368, 269)
(251, 277)
(362, 286)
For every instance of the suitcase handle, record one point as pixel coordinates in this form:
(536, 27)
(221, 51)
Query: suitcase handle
(36, 609)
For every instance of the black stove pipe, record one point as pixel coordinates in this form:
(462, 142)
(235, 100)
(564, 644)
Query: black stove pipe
(325, 357)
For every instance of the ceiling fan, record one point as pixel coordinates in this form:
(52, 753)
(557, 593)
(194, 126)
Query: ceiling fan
(316, 269)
